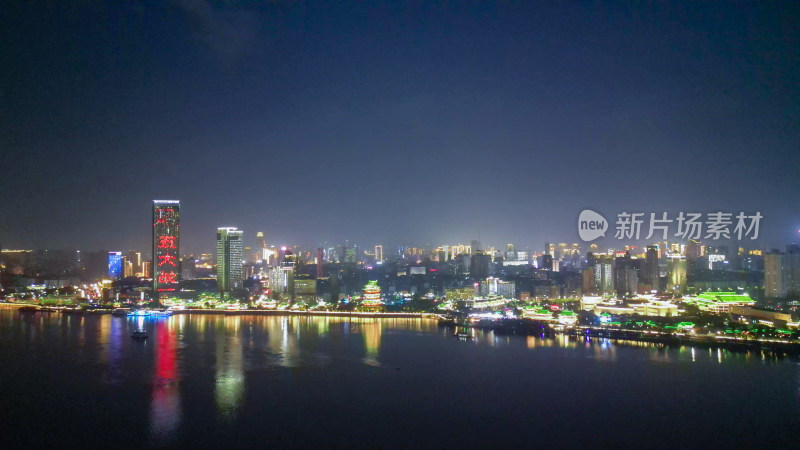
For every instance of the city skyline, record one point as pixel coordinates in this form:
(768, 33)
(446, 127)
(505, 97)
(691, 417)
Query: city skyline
(499, 123)
(274, 223)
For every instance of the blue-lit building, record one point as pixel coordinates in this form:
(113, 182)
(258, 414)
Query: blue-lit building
(114, 264)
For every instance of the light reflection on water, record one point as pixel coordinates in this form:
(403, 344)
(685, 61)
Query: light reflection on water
(165, 408)
(223, 361)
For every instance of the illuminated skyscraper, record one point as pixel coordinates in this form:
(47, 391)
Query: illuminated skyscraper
(791, 270)
(603, 271)
(262, 252)
(511, 254)
(693, 250)
(479, 265)
(652, 273)
(379, 253)
(229, 258)
(676, 268)
(114, 265)
(135, 260)
(774, 285)
(625, 276)
(166, 245)
(305, 289)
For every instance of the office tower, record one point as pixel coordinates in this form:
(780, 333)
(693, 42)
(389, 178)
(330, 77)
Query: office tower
(262, 251)
(496, 286)
(603, 271)
(652, 273)
(135, 260)
(511, 254)
(305, 289)
(774, 286)
(147, 267)
(693, 249)
(379, 253)
(479, 265)
(588, 280)
(287, 272)
(475, 246)
(188, 268)
(561, 251)
(624, 274)
(229, 258)
(320, 271)
(127, 268)
(114, 265)
(350, 255)
(676, 269)
(166, 245)
(547, 262)
(791, 270)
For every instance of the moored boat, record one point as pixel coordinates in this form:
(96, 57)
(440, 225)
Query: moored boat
(139, 334)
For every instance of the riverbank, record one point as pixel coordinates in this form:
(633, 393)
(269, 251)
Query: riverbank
(264, 312)
(525, 327)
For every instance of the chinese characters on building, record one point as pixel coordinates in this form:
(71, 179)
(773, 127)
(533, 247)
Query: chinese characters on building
(166, 237)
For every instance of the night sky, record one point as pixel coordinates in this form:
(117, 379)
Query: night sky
(393, 123)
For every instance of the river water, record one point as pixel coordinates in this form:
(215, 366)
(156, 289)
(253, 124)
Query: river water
(289, 381)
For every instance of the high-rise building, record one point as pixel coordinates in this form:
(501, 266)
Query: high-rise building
(603, 271)
(147, 267)
(496, 286)
(229, 258)
(773, 275)
(652, 273)
(676, 270)
(693, 249)
(305, 289)
(166, 245)
(791, 270)
(350, 256)
(379, 253)
(547, 262)
(625, 276)
(479, 265)
(127, 268)
(475, 246)
(134, 258)
(115, 265)
(320, 262)
(262, 251)
(511, 254)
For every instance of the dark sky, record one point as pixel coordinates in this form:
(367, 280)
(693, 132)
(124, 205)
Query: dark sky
(391, 122)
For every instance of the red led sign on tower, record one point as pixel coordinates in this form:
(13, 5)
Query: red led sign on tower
(164, 260)
(168, 277)
(166, 238)
(167, 242)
